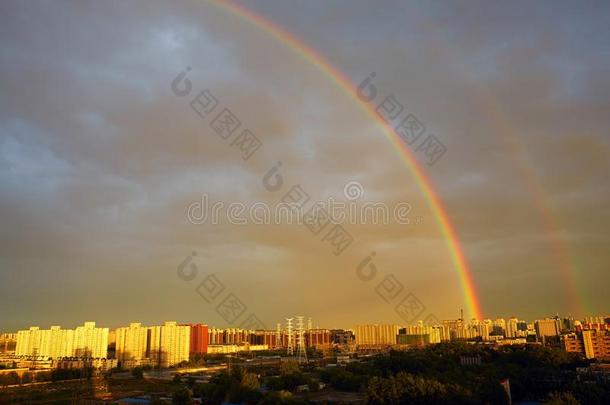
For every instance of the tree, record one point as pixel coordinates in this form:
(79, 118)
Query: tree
(561, 398)
(183, 396)
(250, 381)
(137, 373)
(26, 378)
(289, 367)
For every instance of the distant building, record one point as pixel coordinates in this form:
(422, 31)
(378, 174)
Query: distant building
(90, 341)
(470, 360)
(131, 344)
(597, 319)
(420, 334)
(568, 325)
(376, 334)
(594, 344)
(225, 349)
(499, 327)
(8, 342)
(341, 336)
(547, 327)
(29, 342)
(84, 341)
(318, 338)
(458, 329)
(511, 327)
(412, 340)
(169, 344)
(594, 322)
(56, 342)
(199, 339)
(485, 329)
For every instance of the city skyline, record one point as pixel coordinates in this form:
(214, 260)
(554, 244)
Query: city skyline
(172, 343)
(483, 148)
(314, 325)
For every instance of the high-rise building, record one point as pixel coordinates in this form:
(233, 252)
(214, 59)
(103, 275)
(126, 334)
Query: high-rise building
(511, 327)
(57, 342)
(499, 327)
(597, 320)
(199, 339)
(596, 344)
(485, 329)
(85, 341)
(593, 343)
(28, 342)
(568, 325)
(90, 341)
(376, 334)
(169, 344)
(546, 327)
(131, 343)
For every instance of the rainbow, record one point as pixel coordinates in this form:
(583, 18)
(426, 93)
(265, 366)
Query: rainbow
(560, 253)
(442, 218)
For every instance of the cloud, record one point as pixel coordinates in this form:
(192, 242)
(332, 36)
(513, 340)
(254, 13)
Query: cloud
(100, 159)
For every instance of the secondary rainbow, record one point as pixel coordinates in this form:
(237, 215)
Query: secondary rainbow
(442, 218)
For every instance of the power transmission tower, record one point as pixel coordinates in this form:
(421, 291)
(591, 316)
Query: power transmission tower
(302, 351)
(290, 346)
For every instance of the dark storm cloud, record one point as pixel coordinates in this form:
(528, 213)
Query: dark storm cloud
(99, 159)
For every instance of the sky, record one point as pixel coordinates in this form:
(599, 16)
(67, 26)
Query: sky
(101, 158)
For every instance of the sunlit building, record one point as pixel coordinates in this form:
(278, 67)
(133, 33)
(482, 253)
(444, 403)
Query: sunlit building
(547, 327)
(594, 344)
(56, 343)
(511, 327)
(90, 341)
(51, 343)
(199, 339)
(131, 343)
(169, 344)
(85, 341)
(485, 329)
(28, 342)
(8, 342)
(318, 338)
(376, 334)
